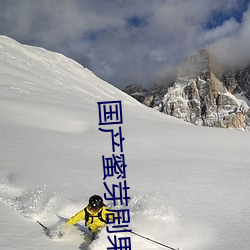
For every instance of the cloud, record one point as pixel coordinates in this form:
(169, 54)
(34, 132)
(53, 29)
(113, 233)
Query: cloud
(124, 42)
(228, 28)
(233, 49)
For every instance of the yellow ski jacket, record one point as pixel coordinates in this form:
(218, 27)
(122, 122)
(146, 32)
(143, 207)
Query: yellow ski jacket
(93, 223)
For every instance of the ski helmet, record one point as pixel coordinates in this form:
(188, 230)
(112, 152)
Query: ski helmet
(95, 202)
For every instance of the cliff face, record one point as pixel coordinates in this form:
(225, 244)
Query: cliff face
(201, 97)
(237, 81)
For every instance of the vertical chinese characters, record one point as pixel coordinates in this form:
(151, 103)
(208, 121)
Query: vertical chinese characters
(110, 113)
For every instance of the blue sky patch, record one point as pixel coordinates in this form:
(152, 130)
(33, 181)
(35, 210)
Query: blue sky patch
(219, 17)
(136, 21)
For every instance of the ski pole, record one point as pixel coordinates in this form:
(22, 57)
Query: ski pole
(159, 243)
(45, 228)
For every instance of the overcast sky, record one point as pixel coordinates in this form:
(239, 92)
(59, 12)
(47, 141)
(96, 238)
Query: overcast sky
(131, 41)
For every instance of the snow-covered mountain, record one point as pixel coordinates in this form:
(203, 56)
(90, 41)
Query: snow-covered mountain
(201, 96)
(189, 185)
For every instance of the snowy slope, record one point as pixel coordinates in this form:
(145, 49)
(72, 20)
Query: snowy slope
(189, 185)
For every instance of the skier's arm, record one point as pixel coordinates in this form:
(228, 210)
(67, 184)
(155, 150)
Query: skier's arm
(77, 217)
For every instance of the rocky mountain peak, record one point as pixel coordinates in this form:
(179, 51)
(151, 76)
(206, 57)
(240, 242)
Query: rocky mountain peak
(200, 96)
(196, 64)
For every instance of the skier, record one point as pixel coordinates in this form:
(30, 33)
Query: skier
(94, 214)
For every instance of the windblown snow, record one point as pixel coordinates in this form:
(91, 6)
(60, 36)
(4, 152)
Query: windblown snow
(189, 186)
